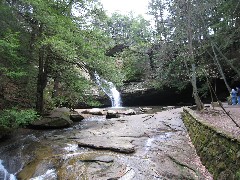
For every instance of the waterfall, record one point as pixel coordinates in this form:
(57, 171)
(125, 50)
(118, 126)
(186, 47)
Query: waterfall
(110, 90)
(4, 174)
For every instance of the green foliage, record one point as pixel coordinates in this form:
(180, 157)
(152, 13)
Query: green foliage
(135, 65)
(196, 24)
(47, 42)
(73, 89)
(61, 42)
(128, 30)
(134, 35)
(12, 64)
(15, 65)
(238, 175)
(13, 60)
(14, 117)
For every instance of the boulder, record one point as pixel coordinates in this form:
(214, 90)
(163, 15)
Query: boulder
(145, 109)
(58, 118)
(56, 111)
(116, 144)
(76, 117)
(130, 112)
(168, 107)
(112, 114)
(94, 111)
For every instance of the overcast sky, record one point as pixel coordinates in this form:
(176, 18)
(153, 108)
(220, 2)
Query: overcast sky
(125, 6)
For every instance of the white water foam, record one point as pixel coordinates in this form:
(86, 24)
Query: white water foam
(4, 174)
(71, 147)
(110, 90)
(149, 143)
(50, 174)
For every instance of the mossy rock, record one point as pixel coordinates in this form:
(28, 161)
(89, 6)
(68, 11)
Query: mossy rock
(218, 152)
(42, 160)
(58, 118)
(52, 123)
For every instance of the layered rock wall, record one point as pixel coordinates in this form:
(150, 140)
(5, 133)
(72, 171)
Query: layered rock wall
(218, 151)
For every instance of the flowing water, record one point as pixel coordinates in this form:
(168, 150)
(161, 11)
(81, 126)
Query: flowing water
(110, 90)
(43, 151)
(4, 174)
(13, 154)
(36, 146)
(56, 154)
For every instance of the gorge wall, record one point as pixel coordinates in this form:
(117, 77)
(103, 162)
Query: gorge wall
(144, 94)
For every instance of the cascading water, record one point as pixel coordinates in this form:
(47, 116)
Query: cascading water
(4, 175)
(110, 90)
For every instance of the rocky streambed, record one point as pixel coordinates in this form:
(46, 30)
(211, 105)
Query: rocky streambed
(138, 147)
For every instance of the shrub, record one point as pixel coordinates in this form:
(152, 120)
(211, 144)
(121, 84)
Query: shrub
(13, 118)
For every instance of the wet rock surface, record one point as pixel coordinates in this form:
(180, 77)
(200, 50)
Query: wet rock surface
(112, 114)
(76, 117)
(138, 147)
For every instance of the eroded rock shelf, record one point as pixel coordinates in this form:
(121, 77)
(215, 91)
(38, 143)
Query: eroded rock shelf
(219, 150)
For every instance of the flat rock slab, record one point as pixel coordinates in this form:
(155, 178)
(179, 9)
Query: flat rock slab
(122, 145)
(157, 146)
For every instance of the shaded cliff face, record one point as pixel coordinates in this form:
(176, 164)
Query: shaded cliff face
(141, 94)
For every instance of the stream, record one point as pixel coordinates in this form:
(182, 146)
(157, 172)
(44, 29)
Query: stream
(139, 147)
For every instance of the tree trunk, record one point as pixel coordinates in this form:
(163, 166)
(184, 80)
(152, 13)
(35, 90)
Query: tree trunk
(220, 68)
(228, 61)
(40, 82)
(56, 87)
(42, 77)
(151, 61)
(197, 99)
